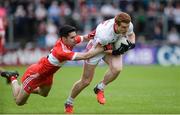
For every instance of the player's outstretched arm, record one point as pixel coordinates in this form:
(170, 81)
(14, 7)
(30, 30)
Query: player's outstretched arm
(92, 52)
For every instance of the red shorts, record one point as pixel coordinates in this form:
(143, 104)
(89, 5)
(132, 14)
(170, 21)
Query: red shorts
(30, 83)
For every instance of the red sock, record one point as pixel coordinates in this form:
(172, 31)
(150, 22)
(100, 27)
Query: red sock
(12, 78)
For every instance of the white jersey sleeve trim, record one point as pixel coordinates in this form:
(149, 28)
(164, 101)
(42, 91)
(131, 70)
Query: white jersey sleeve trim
(81, 39)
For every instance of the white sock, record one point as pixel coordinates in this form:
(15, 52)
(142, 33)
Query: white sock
(70, 100)
(14, 81)
(101, 86)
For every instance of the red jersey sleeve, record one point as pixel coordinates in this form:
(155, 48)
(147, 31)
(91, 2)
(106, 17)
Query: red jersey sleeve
(62, 53)
(68, 55)
(78, 39)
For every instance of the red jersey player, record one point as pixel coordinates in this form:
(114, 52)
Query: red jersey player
(38, 77)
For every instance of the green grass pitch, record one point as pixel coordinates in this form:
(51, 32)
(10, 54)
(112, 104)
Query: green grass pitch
(137, 90)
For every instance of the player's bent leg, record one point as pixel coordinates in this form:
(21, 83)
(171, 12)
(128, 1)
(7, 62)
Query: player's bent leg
(9, 74)
(115, 67)
(44, 86)
(87, 76)
(22, 97)
(44, 90)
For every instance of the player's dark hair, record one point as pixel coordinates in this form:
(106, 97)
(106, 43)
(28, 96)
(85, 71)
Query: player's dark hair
(65, 30)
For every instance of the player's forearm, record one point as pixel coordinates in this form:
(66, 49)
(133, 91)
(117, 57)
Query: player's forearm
(85, 38)
(108, 51)
(89, 54)
(132, 37)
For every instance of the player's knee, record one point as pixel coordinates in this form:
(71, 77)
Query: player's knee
(116, 70)
(86, 82)
(20, 103)
(45, 95)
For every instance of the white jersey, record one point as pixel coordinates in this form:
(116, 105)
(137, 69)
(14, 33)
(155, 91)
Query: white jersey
(105, 33)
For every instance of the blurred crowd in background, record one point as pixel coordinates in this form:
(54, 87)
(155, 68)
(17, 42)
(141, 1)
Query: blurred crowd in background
(35, 23)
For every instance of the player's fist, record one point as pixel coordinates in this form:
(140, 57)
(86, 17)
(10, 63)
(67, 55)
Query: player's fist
(123, 48)
(91, 34)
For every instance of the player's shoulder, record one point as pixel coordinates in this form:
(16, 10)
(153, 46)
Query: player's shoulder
(131, 25)
(105, 26)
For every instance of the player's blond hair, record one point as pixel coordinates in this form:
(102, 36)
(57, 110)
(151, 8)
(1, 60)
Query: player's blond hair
(122, 17)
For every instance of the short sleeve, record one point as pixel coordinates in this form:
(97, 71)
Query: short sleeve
(68, 55)
(78, 39)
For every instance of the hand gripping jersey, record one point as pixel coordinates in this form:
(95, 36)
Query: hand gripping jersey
(105, 33)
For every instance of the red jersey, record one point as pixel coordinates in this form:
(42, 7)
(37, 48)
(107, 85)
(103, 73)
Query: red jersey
(57, 57)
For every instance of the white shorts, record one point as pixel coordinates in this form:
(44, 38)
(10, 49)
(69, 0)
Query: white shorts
(96, 59)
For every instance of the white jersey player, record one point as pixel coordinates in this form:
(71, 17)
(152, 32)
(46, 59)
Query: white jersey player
(106, 33)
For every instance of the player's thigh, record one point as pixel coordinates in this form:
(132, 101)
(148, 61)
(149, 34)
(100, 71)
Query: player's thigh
(45, 86)
(22, 97)
(44, 90)
(88, 71)
(114, 62)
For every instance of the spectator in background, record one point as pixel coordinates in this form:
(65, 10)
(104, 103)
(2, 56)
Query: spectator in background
(40, 12)
(3, 25)
(173, 36)
(141, 21)
(65, 12)
(20, 21)
(51, 36)
(31, 21)
(54, 12)
(157, 36)
(41, 33)
(109, 11)
(65, 9)
(168, 11)
(176, 13)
